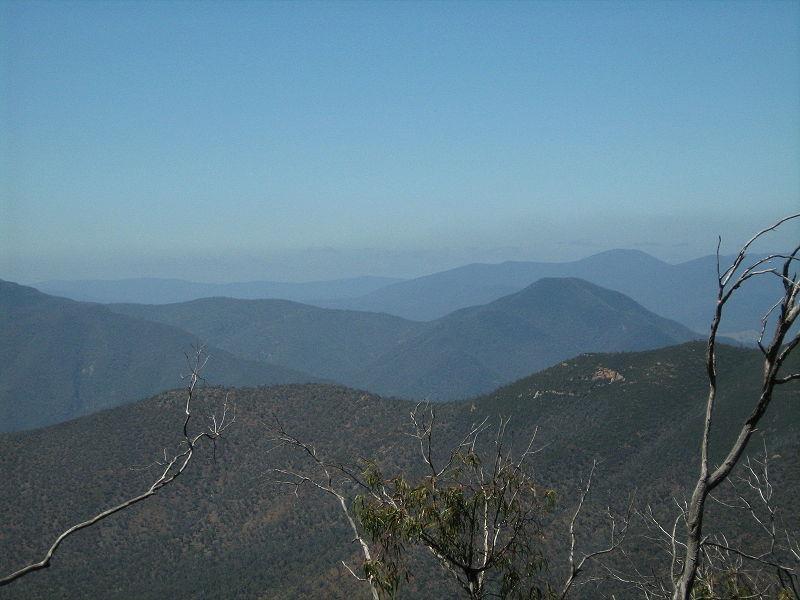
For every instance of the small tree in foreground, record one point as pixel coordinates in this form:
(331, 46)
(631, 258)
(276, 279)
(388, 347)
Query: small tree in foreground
(474, 509)
(475, 512)
(479, 518)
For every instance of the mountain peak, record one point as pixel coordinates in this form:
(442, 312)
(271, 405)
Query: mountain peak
(568, 290)
(624, 256)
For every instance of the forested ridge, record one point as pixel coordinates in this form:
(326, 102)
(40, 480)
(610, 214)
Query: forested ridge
(226, 531)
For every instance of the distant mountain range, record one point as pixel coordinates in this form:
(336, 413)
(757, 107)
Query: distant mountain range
(60, 359)
(470, 351)
(224, 532)
(151, 290)
(684, 292)
(483, 347)
(330, 343)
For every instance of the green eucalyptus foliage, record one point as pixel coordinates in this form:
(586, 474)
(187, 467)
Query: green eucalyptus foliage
(479, 521)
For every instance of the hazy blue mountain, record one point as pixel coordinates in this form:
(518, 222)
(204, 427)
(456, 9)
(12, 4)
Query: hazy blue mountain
(328, 343)
(684, 292)
(485, 346)
(467, 352)
(163, 291)
(60, 359)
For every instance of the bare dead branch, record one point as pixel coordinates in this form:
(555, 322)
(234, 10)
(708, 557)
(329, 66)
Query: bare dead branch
(774, 353)
(616, 537)
(173, 466)
(324, 482)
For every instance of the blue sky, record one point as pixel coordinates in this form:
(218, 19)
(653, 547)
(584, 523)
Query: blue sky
(225, 141)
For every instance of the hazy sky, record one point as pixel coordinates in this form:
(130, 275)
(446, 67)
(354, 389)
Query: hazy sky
(225, 141)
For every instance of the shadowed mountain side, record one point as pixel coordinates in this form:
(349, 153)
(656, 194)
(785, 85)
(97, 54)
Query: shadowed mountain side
(224, 532)
(467, 352)
(61, 359)
(328, 343)
(684, 292)
(476, 349)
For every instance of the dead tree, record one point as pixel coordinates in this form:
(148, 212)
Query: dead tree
(170, 467)
(330, 478)
(767, 567)
(688, 552)
(618, 530)
(763, 570)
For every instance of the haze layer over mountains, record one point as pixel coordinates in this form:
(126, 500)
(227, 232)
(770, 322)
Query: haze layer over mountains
(683, 292)
(445, 336)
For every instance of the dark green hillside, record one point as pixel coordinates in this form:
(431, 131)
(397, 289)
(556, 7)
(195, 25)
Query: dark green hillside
(524, 332)
(223, 532)
(61, 359)
(467, 352)
(327, 343)
(642, 412)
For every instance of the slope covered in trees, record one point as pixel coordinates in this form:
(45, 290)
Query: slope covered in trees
(225, 531)
(61, 359)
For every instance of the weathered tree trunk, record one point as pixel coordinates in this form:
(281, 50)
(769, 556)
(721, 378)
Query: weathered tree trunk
(775, 354)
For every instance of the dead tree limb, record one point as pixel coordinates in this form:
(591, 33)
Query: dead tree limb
(473, 507)
(617, 536)
(323, 481)
(775, 353)
(170, 467)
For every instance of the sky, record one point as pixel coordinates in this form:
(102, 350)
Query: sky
(301, 140)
